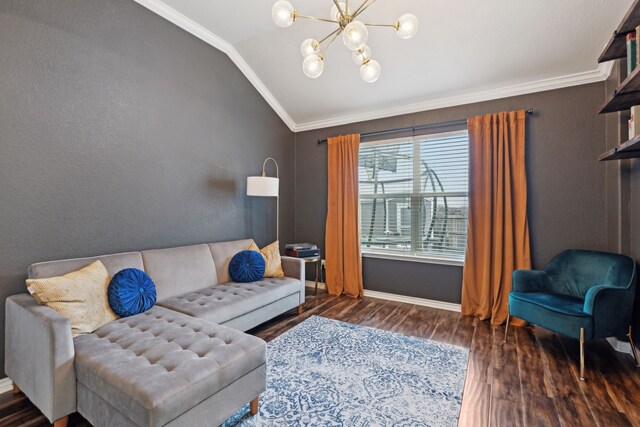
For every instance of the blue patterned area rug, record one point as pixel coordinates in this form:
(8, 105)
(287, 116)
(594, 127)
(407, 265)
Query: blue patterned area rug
(329, 373)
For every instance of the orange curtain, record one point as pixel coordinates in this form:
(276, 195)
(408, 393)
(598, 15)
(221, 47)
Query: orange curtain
(498, 236)
(343, 259)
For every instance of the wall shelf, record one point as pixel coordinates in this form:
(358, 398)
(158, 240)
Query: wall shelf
(626, 95)
(617, 46)
(626, 150)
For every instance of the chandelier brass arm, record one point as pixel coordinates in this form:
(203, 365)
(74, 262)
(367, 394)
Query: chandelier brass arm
(337, 33)
(313, 18)
(339, 30)
(363, 7)
(343, 13)
(354, 35)
(381, 25)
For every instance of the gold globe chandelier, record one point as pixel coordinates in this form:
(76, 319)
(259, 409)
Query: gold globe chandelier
(354, 36)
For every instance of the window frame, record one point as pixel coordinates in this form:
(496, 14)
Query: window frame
(411, 256)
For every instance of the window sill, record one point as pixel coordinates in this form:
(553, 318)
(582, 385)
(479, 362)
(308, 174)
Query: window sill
(413, 258)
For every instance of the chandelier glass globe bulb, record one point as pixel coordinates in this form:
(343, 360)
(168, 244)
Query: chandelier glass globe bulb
(370, 71)
(334, 15)
(355, 35)
(360, 56)
(283, 14)
(407, 26)
(309, 47)
(313, 66)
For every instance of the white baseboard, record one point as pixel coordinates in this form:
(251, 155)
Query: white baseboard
(6, 385)
(401, 298)
(312, 284)
(413, 300)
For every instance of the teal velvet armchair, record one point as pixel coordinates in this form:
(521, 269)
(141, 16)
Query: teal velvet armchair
(581, 294)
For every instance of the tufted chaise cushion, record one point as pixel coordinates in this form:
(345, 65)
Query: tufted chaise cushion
(157, 365)
(221, 303)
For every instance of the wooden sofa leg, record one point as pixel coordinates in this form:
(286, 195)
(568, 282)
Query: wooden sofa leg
(16, 389)
(253, 406)
(62, 422)
(299, 310)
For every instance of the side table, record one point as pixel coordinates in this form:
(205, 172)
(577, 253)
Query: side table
(317, 260)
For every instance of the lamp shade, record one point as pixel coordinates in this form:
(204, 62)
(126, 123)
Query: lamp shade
(263, 186)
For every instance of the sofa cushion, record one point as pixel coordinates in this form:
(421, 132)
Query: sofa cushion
(131, 291)
(221, 303)
(113, 264)
(247, 266)
(157, 365)
(223, 252)
(273, 262)
(80, 296)
(179, 270)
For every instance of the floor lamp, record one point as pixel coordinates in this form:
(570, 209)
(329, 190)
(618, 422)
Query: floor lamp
(265, 186)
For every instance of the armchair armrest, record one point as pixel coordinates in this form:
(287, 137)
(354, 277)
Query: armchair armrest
(294, 268)
(39, 355)
(530, 281)
(611, 309)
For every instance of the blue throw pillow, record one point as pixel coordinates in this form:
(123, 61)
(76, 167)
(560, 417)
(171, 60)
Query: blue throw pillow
(247, 266)
(131, 291)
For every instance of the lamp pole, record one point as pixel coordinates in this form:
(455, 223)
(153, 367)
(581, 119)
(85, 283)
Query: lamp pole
(264, 165)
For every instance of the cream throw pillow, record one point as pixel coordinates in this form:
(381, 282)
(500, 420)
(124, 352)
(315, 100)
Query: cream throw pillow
(272, 261)
(80, 296)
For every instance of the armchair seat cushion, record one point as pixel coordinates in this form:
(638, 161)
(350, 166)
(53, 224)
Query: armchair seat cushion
(560, 313)
(565, 304)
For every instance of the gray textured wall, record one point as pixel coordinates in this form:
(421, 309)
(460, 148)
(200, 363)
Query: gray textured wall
(119, 131)
(567, 191)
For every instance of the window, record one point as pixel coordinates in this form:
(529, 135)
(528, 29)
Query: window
(414, 196)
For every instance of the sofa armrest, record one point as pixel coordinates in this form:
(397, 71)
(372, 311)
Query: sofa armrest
(294, 268)
(39, 355)
(611, 309)
(530, 281)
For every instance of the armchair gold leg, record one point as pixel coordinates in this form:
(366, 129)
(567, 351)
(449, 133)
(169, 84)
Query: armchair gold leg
(633, 348)
(506, 327)
(581, 354)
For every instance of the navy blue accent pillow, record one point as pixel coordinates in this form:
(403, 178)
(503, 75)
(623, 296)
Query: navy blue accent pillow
(131, 291)
(247, 266)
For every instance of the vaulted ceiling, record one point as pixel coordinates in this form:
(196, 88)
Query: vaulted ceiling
(465, 51)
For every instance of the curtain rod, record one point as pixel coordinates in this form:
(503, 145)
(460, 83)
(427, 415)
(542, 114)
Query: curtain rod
(416, 128)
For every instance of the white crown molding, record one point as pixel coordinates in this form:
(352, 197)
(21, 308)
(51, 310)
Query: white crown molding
(175, 17)
(600, 74)
(401, 298)
(6, 385)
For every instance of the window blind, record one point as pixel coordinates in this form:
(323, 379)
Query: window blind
(414, 195)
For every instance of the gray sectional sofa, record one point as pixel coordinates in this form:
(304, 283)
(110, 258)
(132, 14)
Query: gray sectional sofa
(185, 362)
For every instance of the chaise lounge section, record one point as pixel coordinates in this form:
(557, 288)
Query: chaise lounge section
(184, 362)
(144, 370)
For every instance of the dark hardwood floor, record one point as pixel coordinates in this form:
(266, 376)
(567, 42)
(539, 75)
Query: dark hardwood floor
(530, 381)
